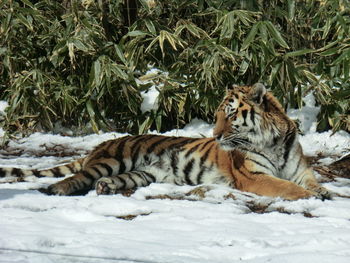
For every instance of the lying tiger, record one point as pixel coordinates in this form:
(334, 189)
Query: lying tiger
(255, 149)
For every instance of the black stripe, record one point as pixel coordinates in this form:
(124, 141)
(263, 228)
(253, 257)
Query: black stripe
(217, 155)
(206, 143)
(136, 137)
(102, 153)
(75, 185)
(267, 159)
(275, 140)
(119, 155)
(247, 174)
(17, 172)
(134, 158)
(122, 167)
(149, 175)
(135, 151)
(182, 143)
(146, 160)
(174, 162)
(290, 138)
(288, 127)
(200, 175)
(244, 115)
(161, 152)
(2, 173)
(56, 172)
(205, 155)
(37, 173)
(187, 171)
(107, 167)
(257, 173)
(97, 171)
(258, 163)
(122, 141)
(156, 143)
(132, 179)
(193, 149)
(123, 182)
(252, 116)
(141, 176)
(87, 175)
(296, 169)
(70, 168)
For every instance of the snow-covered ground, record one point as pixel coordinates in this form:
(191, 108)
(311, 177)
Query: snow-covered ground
(167, 223)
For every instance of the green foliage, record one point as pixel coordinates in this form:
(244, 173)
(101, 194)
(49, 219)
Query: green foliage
(79, 62)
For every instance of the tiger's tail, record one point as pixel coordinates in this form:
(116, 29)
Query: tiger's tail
(58, 171)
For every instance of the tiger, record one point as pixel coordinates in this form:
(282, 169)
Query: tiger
(254, 149)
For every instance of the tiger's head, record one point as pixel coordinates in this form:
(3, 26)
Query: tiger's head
(250, 117)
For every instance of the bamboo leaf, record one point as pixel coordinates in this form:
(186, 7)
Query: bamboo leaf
(161, 41)
(330, 52)
(276, 35)
(171, 40)
(91, 113)
(97, 73)
(299, 52)
(120, 53)
(150, 26)
(159, 122)
(291, 9)
(136, 33)
(251, 36)
(80, 45)
(24, 21)
(28, 3)
(345, 55)
(145, 125)
(326, 28)
(244, 16)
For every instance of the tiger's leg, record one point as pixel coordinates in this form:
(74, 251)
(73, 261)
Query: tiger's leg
(129, 180)
(267, 185)
(308, 180)
(81, 182)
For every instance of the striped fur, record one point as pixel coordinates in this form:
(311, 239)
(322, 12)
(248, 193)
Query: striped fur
(255, 149)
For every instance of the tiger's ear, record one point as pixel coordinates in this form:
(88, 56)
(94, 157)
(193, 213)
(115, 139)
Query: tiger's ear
(259, 92)
(230, 88)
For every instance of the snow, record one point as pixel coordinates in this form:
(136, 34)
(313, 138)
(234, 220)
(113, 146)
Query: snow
(307, 115)
(168, 223)
(150, 96)
(326, 143)
(3, 106)
(150, 99)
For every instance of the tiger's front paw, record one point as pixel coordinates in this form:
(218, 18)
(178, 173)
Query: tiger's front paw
(105, 186)
(323, 193)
